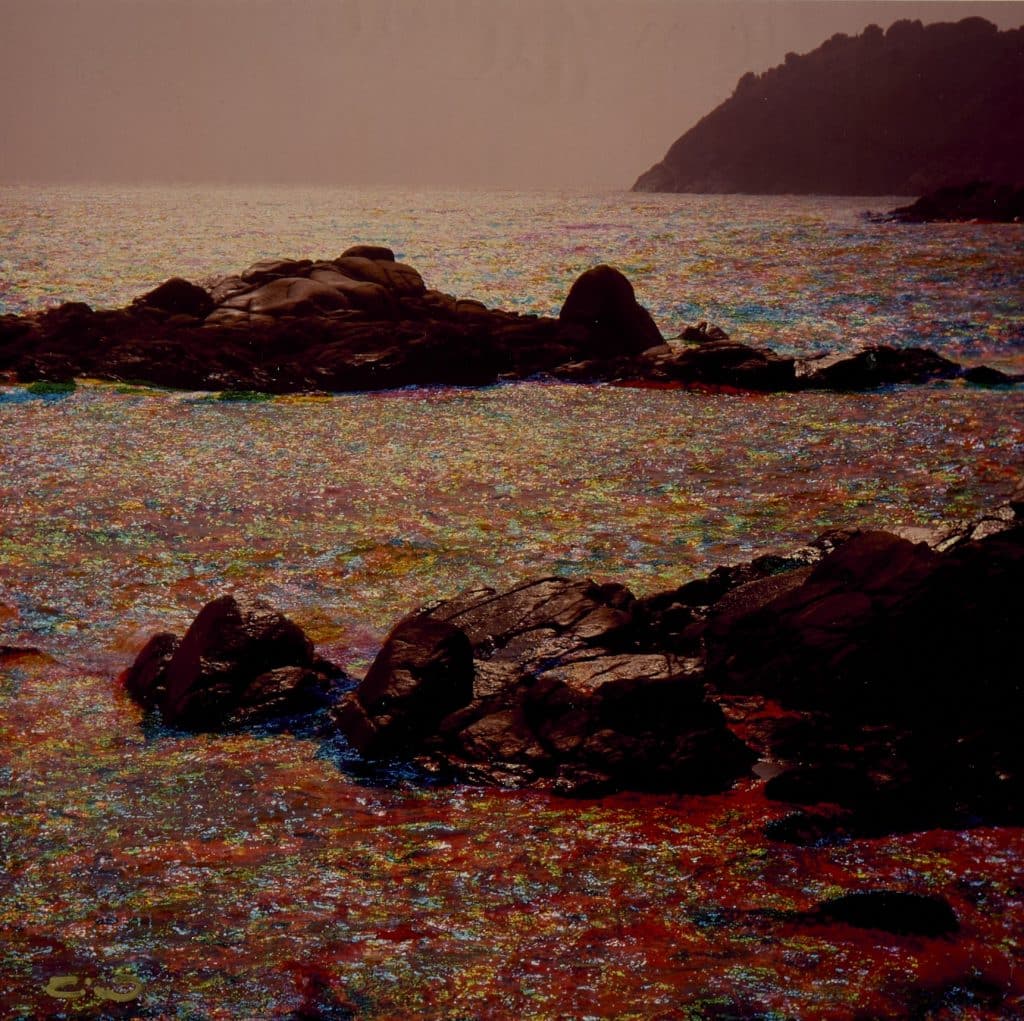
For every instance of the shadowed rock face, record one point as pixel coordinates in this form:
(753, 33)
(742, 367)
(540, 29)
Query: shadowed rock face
(894, 113)
(240, 662)
(897, 669)
(555, 696)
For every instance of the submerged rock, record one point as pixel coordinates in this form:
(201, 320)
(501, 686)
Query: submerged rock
(240, 662)
(892, 911)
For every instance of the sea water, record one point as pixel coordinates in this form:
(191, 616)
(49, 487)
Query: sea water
(250, 875)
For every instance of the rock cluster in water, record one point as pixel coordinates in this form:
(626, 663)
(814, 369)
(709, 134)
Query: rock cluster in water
(363, 321)
(877, 679)
(980, 201)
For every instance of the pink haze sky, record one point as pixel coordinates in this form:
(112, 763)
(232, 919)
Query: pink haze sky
(493, 93)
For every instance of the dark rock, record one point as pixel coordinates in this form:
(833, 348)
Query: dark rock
(368, 323)
(983, 375)
(423, 672)
(378, 252)
(725, 362)
(240, 662)
(703, 332)
(272, 269)
(811, 785)
(602, 301)
(395, 276)
(978, 200)
(547, 689)
(290, 296)
(178, 297)
(879, 365)
(910, 914)
(897, 669)
(1016, 500)
(145, 679)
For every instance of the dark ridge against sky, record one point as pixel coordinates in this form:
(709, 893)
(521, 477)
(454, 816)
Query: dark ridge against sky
(493, 93)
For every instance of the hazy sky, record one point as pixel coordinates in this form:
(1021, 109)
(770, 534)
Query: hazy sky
(507, 93)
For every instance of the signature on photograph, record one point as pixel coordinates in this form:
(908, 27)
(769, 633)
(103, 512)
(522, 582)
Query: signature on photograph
(66, 987)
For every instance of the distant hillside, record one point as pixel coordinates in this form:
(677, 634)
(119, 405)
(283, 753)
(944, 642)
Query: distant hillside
(883, 113)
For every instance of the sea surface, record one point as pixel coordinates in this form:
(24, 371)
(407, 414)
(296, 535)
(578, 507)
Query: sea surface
(257, 875)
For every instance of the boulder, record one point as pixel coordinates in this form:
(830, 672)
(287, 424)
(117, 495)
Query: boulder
(879, 365)
(542, 684)
(603, 302)
(272, 269)
(240, 662)
(703, 332)
(376, 252)
(894, 671)
(289, 296)
(178, 297)
(723, 362)
(403, 280)
(423, 672)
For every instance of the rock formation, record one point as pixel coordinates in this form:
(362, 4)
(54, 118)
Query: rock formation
(877, 677)
(366, 322)
(239, 663)
(898, 112)
(981, 201)
(542, 684)
(877, 680)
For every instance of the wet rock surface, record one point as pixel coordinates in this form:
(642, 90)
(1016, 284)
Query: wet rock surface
(895, 673)
(878, 678)
(558, 695)
(239, 663)
(364, 321)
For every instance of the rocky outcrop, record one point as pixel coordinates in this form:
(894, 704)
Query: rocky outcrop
(542, 685)
(893, 911)
(876, 677)
(894, 669)
(884, 113)
(980, 201)
(364, 321)
(239, 663)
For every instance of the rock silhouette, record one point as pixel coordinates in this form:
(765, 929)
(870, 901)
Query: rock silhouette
(899, 112)
(877, 677)
(982, 201)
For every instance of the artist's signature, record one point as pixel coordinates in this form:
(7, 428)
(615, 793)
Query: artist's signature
(74, 987)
